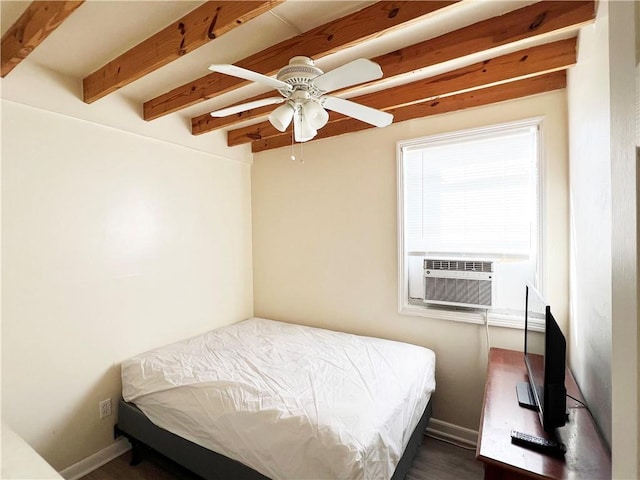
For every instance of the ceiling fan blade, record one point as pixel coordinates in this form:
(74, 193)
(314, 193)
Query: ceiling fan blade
(352, 73)
(250, 75)
(361, 112)
(243, 107)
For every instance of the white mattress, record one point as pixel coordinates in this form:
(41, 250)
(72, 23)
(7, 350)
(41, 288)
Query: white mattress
(289, 401)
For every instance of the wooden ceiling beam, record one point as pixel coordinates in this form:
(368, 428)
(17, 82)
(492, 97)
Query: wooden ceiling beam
(367, 23)
(536, 20)
(514, 66)
(35, 24)
(198, 27)
(539, 19)
(521, 88)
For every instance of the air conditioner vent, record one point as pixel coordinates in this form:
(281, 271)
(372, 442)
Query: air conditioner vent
(465, 283)
(458, 265)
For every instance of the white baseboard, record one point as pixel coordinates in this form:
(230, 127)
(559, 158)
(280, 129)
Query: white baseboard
(95, 461)
(452, 433)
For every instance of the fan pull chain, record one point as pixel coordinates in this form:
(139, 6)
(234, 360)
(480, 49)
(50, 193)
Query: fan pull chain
(293, 143)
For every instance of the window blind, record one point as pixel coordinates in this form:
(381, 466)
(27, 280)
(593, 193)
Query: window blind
(472, 195)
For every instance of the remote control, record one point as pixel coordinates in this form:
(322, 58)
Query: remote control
(538, 443)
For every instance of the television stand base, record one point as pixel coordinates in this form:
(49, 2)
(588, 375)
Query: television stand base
(525, 397)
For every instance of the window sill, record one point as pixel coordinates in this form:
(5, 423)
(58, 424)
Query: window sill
(471, 316)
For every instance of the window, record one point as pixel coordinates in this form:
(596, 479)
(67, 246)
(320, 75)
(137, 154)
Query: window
(473, 198)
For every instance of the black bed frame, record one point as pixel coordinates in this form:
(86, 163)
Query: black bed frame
(138, 429)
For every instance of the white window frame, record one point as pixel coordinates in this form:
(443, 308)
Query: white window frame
(461, 314)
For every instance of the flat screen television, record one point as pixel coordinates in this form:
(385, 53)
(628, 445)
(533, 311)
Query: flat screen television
(545, 391)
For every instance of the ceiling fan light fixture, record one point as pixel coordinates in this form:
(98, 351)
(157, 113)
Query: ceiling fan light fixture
(305, 133)
(302, 129)
(281, 117)
(316, 116)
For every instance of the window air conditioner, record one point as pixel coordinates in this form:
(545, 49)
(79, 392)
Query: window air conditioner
(460, 283)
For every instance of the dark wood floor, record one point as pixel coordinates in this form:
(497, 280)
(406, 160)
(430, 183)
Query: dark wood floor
(436, 460)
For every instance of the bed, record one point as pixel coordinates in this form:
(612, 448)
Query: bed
(262, 399)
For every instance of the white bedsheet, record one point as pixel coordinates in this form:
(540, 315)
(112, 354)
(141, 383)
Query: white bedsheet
(289, 401)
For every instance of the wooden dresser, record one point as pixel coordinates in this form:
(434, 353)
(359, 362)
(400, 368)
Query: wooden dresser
(587, 456)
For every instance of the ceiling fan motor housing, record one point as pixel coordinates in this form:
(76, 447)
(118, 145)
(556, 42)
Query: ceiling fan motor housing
(300, 71)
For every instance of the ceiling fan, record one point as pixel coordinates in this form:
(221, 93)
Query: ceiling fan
(303, 88)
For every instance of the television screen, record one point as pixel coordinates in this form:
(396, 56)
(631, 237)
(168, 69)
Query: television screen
(545, 391)
(535, 313)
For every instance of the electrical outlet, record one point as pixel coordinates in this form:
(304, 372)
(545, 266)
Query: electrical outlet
(104, 408)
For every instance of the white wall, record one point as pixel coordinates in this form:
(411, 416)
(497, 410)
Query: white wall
(112, 244)
(325, 243)
(590, 180)
(637, 370)
(624, 183)
(604, 315)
